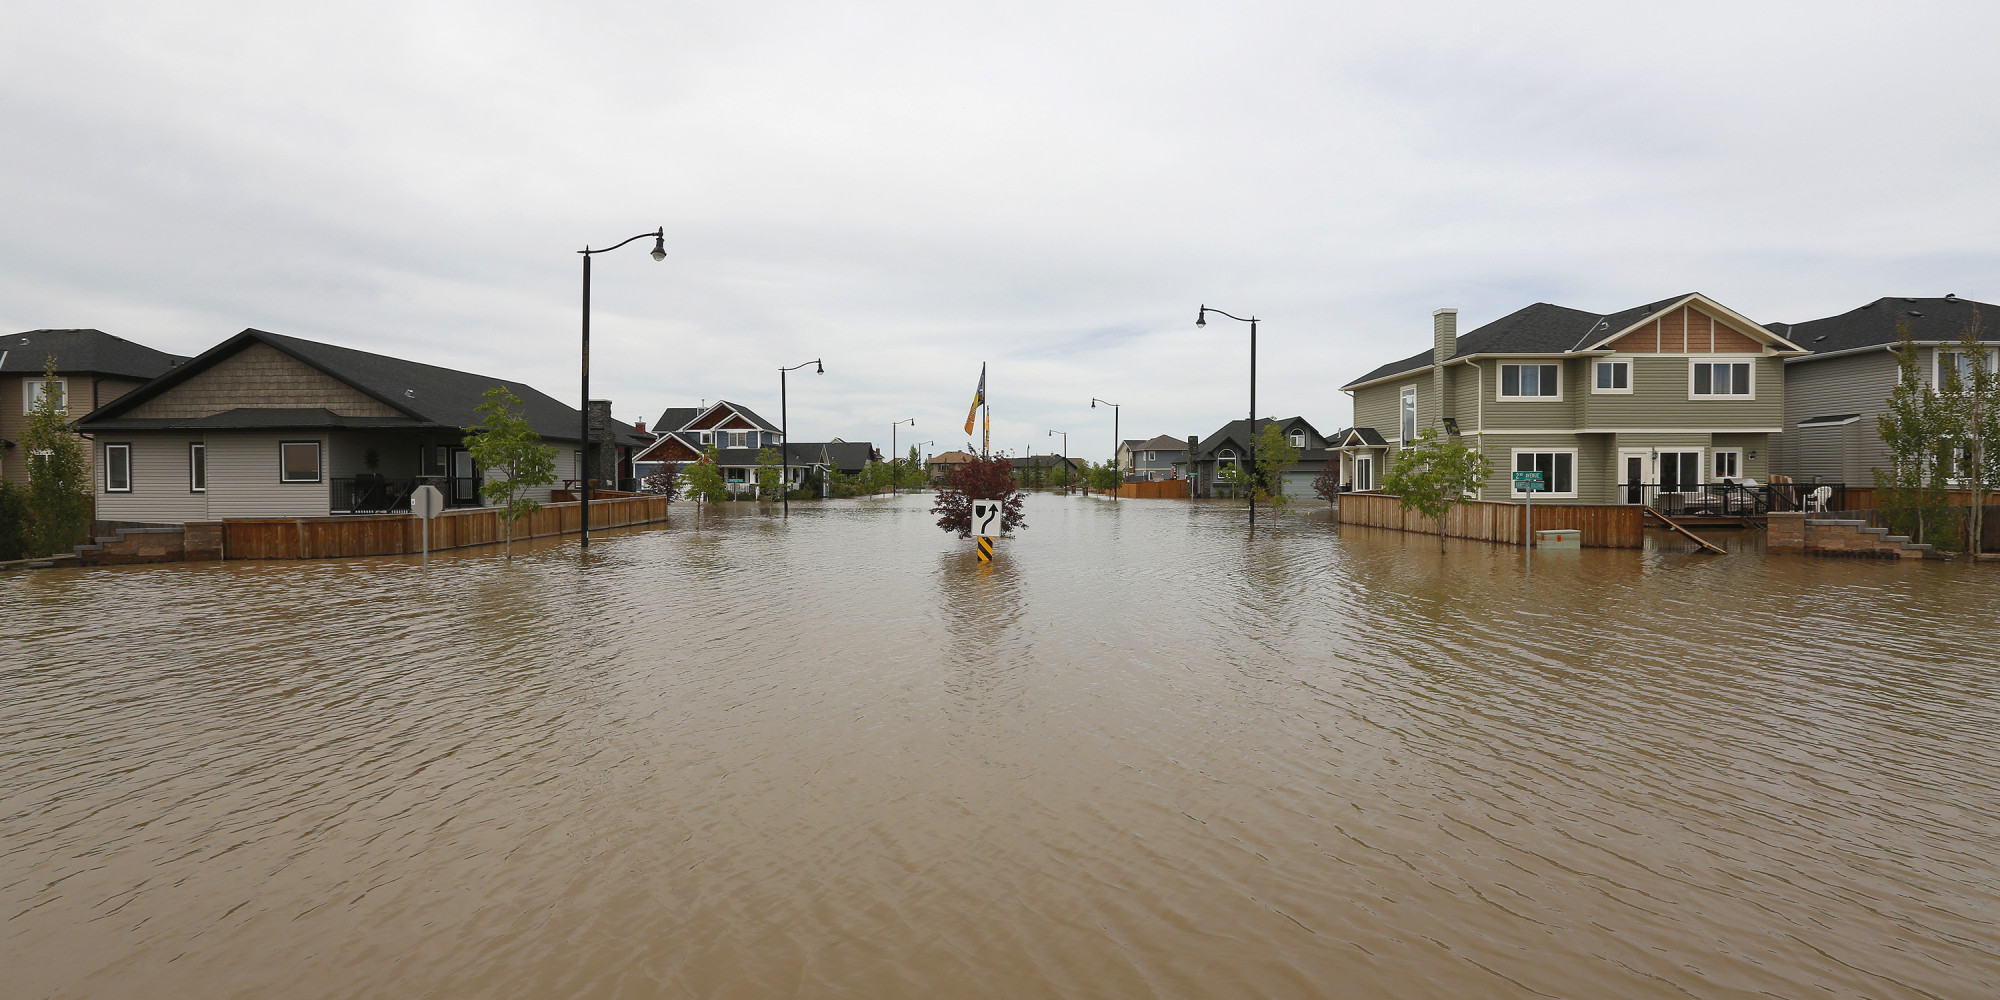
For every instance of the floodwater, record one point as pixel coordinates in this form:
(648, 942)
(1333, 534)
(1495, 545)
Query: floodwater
(1146, 754)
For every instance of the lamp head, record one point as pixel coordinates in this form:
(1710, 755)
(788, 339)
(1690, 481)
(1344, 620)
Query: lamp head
(660, 244)
(1093, 404)
(1201, 316)
(820, 368)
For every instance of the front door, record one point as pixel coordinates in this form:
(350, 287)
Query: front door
(1632, 477)
(464, 486)
(1364, 474)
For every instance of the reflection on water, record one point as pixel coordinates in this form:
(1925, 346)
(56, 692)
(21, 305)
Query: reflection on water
(1144, 754)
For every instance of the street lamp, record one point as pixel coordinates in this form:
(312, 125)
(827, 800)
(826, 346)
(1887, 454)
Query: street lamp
(921, 466)
(583, 487)
(893, 456)
(1114, 439)
(1201, 319)
(785, 432)
(1067, 471)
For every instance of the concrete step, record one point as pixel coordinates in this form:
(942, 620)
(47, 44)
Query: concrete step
(1828, 523)
(1896, 538)
(1919, 546)
(1874, 531)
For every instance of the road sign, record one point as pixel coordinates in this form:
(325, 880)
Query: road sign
(1528, 482)
(986, 519)
(426, 501)
(985, 549)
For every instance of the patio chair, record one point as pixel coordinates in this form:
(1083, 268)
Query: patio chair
(1816, 500)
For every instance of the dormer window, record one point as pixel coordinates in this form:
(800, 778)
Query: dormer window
(1298, 438)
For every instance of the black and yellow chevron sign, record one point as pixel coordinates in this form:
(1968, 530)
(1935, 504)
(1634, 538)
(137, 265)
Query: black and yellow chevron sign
(985, 549)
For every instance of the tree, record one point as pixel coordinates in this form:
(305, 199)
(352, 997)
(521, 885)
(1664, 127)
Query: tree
(13, 521)
(59, 495)
(1435, 475)
(703, 480)
(1106, 476)
(513, 455)
(1326, 485)
(1059, 473)
(979, 479)
(1976, 412)
(664, 481)
(770, 473)
(1275, 454)
(1910, 492)
(910, 475)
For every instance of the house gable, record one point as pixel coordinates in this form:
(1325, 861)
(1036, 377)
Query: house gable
(1686, 330)
(260, 376)
(669, 448)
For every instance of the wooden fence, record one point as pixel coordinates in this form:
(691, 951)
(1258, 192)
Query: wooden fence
(402, 534)
(1604, 526)
(1164, 489)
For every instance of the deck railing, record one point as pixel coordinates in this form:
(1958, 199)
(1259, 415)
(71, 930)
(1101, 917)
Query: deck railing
(371, 495)
(1733, 499)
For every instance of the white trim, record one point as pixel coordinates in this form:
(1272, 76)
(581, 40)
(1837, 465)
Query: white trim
(1406, 415)
(1747, 360)
(1716, 475)
(1937, 366)
(1597, 390)
(126, 448)
(203, 445)
(1500, 380)
(31, 390)
(1514, 462)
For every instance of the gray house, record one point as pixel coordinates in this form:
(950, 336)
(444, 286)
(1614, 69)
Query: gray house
(264, 425)
(1836, 395)
(92, 369)
(1229, 445)
(1152, 459)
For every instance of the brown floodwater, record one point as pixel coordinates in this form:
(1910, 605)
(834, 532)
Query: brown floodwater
(1146, 754)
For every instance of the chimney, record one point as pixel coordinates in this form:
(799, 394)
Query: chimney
(639, 425)
(1444, 334)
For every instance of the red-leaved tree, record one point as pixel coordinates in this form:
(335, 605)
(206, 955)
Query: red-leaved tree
(979, 479)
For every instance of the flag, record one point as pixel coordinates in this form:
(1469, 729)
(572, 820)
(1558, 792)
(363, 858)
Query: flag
(978, 399)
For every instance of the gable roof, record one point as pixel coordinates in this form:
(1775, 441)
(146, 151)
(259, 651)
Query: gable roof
(674, 418)
(82, 351)
(1548, 329)
(1237, 432)
(701, 416)
(1164, 442)
(429, 396)
(1874, 325)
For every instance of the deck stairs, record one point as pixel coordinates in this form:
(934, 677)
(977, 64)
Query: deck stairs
(1841, 536)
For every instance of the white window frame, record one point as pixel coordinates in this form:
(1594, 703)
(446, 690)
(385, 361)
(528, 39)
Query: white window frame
(1297, 438)
(1715, 475)
(1407, 417)
(1500, 382)
(1514, 462)
(1152, 456)
(197, 484)
(124, 451)
(1937, 363)
(1598, 390)
(319, 462)
(1748, 360)
(31, 391)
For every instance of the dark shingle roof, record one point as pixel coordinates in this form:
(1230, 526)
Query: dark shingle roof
(1164, 442)
(83, 351)
(248, 418)
(1542, 328)
(1874, 324)
(674, 418)
(849, 456)
(1237, 432)
(432, 396)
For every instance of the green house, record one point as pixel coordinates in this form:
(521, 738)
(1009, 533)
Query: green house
(1620, 407)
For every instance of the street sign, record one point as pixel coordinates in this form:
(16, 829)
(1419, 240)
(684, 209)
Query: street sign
(1528, 482)
(986, 518)
(426, 501)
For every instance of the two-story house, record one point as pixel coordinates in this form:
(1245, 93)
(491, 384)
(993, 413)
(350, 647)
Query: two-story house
(1836, 395)
(92, 369)
(1609, 407)
(1152, 459)
(1229, 446)
(739, 436)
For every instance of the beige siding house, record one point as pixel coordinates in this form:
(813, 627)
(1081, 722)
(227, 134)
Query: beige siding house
(92, 368)
(265, 425)
(1610, 407)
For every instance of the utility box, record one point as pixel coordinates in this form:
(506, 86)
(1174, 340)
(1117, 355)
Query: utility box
(1558, 538)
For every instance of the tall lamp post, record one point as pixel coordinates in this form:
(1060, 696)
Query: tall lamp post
(1114, 440)
(922, 467)
(893, 456)
(785, 431)
(583, 475)
(1068, 473)
(1201, 319)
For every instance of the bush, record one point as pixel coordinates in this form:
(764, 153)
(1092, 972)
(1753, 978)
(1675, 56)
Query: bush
(13, 521)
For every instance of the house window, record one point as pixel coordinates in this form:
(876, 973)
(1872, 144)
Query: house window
(1152, 456)
(1727, 463)
(117, 468)
(1680, 471)
(1226, 456)
(298, 461)
(197, 467)
(1298, 438)
(32, 389)
(1409, 417)
(1947, 360)
(1530, 382)
(1721, 379)
(1558, 469)
(1613, 376)
(433, 459)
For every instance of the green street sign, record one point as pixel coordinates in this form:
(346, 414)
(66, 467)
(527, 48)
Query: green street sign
(1528, 482)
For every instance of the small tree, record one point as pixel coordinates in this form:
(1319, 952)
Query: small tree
(513, 455)
(664, 481)
(1910, 492)
(1435, 475)
(1106, 477)
(1326, 485)
(979, 479)
(13, 521)
(910, 475)
(703, 480)
(1977, 414)
(1275, 454)
(770, 473)
(59, 491)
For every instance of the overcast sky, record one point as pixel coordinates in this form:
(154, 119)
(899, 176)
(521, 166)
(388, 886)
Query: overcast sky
(907, 190)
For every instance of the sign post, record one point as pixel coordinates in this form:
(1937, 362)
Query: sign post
(426, 502)
(986, 521)
(1528, 484)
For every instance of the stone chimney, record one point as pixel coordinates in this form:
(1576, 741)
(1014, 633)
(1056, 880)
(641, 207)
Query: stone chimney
(1193, 473)
(600, 458)
(1444, 346)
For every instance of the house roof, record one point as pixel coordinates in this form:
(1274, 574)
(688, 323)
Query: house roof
(249, 418)
(674, 418)
(1548, 329)
(953, 457)
(1164, 442)
(429, 395)
(1361, 437)
(1237, 432)
(846, 455)
(82, 351)
(1874, 325)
